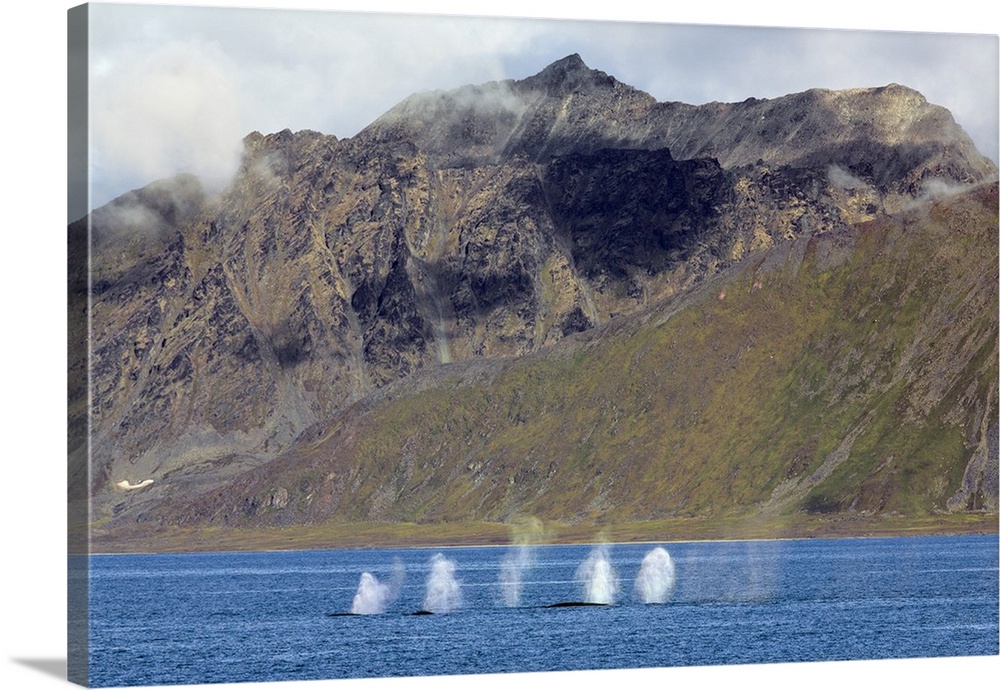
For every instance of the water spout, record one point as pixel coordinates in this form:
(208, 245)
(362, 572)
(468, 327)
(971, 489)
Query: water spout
(656, 578)
(600, 583)
(444, 594)
(519, 559)
(374, 596)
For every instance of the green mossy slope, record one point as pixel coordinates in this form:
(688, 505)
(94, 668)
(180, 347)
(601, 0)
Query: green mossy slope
(851, 374)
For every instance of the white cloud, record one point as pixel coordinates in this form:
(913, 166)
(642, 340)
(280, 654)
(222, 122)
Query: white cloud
(175, 89)
(842, 179)
(175, 109)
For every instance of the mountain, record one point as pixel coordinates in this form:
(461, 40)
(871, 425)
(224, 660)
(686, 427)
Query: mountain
(405, 325)
(890, 137)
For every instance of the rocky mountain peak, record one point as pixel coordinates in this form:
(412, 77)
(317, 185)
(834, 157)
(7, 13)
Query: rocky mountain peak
(567, 65)
(567, 75)
(889, 137)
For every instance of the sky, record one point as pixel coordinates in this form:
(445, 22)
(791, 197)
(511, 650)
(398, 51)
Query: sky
(175, 88)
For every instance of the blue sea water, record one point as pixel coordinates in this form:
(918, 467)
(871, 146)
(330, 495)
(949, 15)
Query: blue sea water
(275, 616)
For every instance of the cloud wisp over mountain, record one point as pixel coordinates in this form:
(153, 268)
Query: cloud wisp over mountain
(174, 89)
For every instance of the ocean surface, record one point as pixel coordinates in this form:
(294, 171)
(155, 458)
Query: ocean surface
(276, 616)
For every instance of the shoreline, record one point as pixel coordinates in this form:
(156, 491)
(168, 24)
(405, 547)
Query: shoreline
(484, 534)
(661, 542)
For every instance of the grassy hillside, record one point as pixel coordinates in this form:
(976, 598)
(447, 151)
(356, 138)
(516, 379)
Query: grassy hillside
(850, 374)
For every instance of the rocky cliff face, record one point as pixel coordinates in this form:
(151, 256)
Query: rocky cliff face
(889, 138)
(491, 221)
